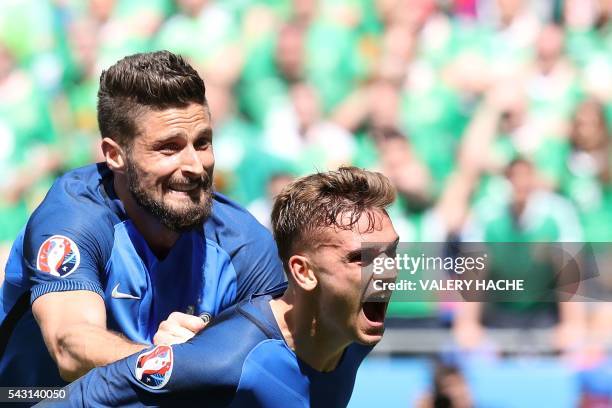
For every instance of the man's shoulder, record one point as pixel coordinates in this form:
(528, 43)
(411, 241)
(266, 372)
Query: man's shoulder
(230, 215)
(266, 344)
(272, 377)
(75, 208)
(232, 226)
(76, 196)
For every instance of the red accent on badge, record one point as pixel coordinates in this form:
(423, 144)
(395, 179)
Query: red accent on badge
(153, 368)
(58, 255)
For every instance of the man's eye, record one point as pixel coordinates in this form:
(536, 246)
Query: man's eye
(169, 148)
(364, 258)
(202, 145)
(354, 258)
(391, 252)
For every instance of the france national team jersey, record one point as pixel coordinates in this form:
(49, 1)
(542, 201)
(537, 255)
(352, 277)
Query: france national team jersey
(239, 360)
(81, 239)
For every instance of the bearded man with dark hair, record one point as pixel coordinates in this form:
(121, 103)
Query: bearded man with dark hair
(129, 252)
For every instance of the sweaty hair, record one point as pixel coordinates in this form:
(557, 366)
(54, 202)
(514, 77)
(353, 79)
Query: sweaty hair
(334, 199)
(155, 80)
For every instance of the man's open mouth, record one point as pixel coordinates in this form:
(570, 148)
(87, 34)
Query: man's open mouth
(375, 311)
(185, 188)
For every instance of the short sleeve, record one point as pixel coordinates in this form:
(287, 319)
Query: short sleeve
(65, 249)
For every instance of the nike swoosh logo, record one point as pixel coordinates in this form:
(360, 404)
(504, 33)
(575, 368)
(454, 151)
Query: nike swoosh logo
(118, 295)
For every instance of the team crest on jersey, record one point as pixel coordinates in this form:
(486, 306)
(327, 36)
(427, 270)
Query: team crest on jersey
(153, 368)
(58, 255)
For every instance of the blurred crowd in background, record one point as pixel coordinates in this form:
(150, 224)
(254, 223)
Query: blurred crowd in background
(491, 117)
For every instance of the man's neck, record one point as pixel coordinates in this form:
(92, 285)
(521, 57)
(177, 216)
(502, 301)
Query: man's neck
(305, 334)
(159, 238)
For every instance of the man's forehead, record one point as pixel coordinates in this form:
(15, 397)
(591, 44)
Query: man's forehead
(339, 238)
(190, 115)
(380, 231)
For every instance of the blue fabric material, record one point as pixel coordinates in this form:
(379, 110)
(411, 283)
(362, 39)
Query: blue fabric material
(240, 360)
(208, 270)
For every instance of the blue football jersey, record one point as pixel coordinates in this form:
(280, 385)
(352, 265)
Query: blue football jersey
(80, 238)
(240, 360)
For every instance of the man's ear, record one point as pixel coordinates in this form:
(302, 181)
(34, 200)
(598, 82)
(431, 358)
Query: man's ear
(114, 155)
(301, 270)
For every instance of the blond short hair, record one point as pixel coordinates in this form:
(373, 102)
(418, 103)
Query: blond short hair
(331, 199)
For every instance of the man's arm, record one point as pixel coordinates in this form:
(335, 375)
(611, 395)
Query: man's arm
(73, 325)
(206, 368)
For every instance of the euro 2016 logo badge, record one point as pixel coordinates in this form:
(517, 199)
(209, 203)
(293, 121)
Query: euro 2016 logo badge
(58, 255)
(153, 368)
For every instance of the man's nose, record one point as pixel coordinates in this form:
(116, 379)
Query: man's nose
(388, 274)
(191, 162)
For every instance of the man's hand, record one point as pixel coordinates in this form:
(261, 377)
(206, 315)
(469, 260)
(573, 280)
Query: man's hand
(178, 328)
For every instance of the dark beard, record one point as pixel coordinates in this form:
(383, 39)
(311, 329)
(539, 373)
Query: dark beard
(184, 220)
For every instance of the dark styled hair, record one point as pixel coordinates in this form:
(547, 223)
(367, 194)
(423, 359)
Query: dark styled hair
(311, 203)
(156, 80)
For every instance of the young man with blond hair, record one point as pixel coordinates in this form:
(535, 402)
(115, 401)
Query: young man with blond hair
(299, 345)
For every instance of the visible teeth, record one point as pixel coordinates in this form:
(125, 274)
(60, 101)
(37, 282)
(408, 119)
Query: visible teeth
(184, 188)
